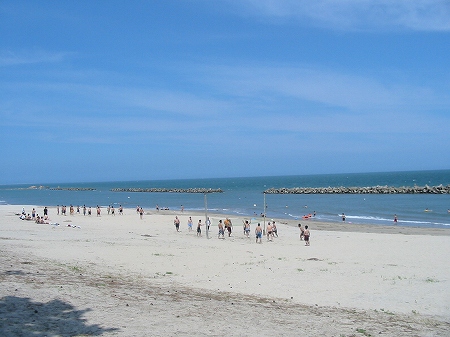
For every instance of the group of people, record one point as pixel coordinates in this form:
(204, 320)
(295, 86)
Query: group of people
(86, 210)
(34, 216)
(226, 226)
(304, 234)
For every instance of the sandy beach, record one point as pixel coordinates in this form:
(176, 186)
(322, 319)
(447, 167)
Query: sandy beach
(125, 276)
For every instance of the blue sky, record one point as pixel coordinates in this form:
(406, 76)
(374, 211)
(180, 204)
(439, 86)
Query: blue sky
(137, 90)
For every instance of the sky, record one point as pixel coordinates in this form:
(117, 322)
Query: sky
(148, 90)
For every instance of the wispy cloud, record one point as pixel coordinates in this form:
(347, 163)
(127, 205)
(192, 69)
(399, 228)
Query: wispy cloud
(330, 88)
(420, 15)
(9, 58)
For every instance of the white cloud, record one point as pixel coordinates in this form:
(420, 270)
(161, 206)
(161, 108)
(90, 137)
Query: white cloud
(421, 15)
(323, 86)
(8, 58)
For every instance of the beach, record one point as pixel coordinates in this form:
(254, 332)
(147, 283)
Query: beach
(125, 276)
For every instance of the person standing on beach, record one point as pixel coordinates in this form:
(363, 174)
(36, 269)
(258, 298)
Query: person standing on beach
(258, 233)
(395, 219)
(190, 224)
(120, 210)
(221, 230)
(113, 211)
(269, 231)
(98, 210)
(176, 222)
(199, 228)
(84, 209)
(343, 217)
(141, 212)
(307, 235)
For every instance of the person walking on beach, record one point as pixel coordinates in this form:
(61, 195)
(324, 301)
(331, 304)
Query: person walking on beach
(98, 210)
(274, 229)
(228, 226)
(302, 231)
(176, 222)
(199, 228)
(113, 211)
(221, 230)
(307, 235)
(395, 219)
(258, 233)
(190, 224)
(84, 209)
(247, 228)
(141, 212)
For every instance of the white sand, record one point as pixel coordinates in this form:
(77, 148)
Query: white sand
(141, 277)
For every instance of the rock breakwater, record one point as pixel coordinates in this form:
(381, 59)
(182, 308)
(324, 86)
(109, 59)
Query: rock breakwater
(440, 189)
(168, 190)
(72, 189)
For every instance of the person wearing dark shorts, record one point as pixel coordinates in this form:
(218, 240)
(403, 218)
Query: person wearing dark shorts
(199, 228)
(306, 235)
(177, 223)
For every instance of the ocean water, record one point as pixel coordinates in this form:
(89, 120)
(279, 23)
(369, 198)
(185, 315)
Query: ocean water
(244, 197)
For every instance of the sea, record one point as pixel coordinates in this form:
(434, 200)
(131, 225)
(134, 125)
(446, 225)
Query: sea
(244, 197)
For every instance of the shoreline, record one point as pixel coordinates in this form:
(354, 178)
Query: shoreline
(335, 226)
(121, 264)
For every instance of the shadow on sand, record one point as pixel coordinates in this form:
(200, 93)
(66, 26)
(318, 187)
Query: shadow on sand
(23, 317)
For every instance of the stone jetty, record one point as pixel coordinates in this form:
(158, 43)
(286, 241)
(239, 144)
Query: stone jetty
(168, 190)
(441, 189)
(72, 189)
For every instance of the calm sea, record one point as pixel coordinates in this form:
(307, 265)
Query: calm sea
(244, 197)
